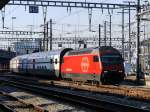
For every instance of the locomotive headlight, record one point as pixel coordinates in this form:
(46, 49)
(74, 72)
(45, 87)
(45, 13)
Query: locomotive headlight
(105, 71)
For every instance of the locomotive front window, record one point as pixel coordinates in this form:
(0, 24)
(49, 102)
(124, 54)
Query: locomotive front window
(95, 59)
(111, 59)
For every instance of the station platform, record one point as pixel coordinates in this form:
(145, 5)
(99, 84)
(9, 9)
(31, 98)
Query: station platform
(144, 81)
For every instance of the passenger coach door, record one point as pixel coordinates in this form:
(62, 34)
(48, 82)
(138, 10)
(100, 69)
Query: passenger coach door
(33, 64)
(24, 65)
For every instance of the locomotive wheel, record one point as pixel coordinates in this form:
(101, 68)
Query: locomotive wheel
(94, 82)
(103, 79)
(109, 79)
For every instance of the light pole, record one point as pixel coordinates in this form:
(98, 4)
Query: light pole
(138, 68)
(13, 25)
(110, 24)
(31, 29)
(129, 18)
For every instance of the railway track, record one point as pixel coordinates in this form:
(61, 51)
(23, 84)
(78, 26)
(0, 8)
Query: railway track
(38, 101)
(4, 108)
(75, 97)
(9, 103)
(133, 92)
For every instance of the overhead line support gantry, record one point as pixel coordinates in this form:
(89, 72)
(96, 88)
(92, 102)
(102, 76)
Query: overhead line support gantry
(20, 32)
(70, 4)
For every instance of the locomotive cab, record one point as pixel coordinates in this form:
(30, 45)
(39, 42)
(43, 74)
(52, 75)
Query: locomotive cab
(113, 69)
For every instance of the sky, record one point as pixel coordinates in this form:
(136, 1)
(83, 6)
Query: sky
(65, 23)
(59, 15)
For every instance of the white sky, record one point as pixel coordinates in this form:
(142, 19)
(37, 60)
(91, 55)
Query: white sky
(65, 24)
(59, 15)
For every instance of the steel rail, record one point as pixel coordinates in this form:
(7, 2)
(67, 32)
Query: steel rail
(6, 108)
(21, 101)
(77, 98)
(119, 91)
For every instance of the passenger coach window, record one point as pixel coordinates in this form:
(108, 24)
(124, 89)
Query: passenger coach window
(51, 60)
(33, 60)
(55, 61)
(95, 59)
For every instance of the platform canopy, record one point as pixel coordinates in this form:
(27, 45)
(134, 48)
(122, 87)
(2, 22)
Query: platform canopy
(3, 3)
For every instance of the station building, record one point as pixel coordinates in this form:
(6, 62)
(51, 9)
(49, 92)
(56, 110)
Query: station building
(5, 57)
(145, 56)
(26, 47)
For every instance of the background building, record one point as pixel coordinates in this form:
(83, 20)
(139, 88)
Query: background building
(26, 47)
(145, 56)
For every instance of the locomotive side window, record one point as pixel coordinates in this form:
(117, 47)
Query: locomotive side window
(95, 59)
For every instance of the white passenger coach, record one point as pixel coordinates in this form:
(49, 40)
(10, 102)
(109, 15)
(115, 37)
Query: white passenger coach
(41, 63)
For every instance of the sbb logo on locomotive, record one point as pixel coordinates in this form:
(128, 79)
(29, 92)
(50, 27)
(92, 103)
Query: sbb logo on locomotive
(85, 64)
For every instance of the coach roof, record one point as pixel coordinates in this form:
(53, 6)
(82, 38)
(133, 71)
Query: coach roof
(91, 50)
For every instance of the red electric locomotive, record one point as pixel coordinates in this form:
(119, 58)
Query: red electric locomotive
(100, 64)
